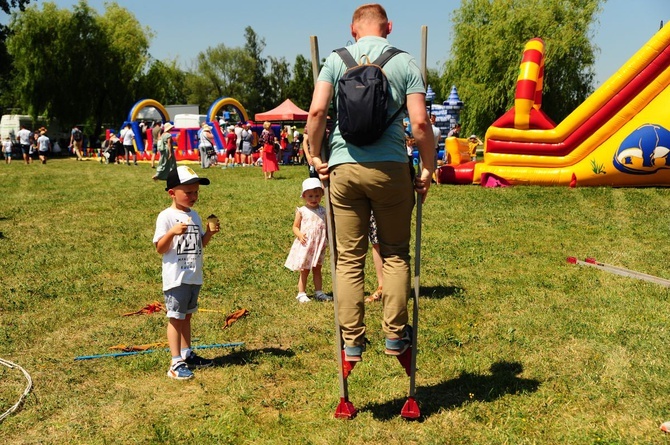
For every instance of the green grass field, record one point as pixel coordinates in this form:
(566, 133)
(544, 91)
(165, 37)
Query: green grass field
(516, 346)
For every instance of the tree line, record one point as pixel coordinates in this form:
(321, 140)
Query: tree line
(85, 67)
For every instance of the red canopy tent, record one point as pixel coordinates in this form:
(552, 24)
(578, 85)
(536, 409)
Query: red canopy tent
(287, 111)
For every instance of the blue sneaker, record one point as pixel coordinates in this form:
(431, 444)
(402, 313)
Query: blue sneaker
(354, 353)
(180, 371)
(321, 296)
(397, 346)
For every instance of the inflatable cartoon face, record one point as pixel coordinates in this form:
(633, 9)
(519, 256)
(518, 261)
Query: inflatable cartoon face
(644, 151)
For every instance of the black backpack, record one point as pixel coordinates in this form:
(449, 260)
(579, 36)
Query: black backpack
(77, 135)
(362, 99)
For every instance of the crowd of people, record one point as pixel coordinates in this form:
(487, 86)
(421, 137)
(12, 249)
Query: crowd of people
(34, 146)
(243, 146)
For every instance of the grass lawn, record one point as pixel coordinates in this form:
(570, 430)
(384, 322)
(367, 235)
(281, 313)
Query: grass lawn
(516, 345)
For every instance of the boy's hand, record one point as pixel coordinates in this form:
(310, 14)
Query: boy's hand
(179, 228)
(213, 228)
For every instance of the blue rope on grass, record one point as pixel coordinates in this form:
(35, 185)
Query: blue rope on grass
(123, 354)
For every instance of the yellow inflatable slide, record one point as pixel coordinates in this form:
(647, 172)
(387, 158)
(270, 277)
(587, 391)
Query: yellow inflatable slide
(619, 136)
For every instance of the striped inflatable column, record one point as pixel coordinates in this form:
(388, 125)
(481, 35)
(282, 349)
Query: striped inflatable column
(537, 104)
(527, 82)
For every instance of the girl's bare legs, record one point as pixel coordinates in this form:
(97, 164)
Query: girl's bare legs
(302, 281)
(317, 277)
(377, 258)
(302, 284)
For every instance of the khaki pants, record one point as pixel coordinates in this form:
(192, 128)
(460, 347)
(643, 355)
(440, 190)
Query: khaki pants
(356, 189)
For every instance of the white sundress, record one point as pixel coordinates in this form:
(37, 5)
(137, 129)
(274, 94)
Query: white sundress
(313, 225)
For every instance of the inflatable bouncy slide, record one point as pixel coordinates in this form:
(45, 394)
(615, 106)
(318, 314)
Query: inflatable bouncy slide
(134, 120)
(185, 136)
(213, 122)
(619, 136)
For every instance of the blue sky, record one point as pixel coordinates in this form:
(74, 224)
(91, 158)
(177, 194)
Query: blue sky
(183, 29)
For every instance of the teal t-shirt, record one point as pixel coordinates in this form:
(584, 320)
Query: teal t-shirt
(404, 77)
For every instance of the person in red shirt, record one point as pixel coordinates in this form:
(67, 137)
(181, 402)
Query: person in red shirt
(230, 144)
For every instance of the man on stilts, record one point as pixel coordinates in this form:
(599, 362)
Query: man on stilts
(374, 177)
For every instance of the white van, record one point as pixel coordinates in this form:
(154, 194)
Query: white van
(10, 124)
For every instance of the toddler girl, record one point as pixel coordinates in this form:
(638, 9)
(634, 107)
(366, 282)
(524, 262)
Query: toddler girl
(309, 247)
(7, 150)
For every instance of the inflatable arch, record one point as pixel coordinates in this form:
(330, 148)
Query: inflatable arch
(214, 110)
(226, 101)
(132, 120)
(144, 103)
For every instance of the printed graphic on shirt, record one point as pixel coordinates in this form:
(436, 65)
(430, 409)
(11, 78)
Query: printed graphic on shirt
(189, 247)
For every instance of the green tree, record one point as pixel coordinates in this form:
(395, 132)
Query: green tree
(7, 5)
(36, 47)
(259, 95)
(278, 81)
(489, 37)
(220, 72)
(164, 82)
(7, 98)
(244, 74)
(78, 65)
(125, 59)
(435, 83)
(301, 85)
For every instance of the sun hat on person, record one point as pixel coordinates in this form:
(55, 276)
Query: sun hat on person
(184, 175)
(206, 127)
(310, 184)
(473, 136)
(168, 126)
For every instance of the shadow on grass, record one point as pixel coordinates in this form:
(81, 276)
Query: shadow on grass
(437, 292)
(246, 356)
(467, 387)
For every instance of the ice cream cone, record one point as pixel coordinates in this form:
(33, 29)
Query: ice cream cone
(212, 222)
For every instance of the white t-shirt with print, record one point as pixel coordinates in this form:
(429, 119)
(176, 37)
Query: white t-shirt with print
(182, 264)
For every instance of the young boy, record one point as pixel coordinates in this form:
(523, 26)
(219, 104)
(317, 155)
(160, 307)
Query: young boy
(179, 237)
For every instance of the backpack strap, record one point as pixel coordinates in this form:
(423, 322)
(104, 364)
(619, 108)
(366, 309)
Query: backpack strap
(386, 56)
(346, 57)
(381, 61)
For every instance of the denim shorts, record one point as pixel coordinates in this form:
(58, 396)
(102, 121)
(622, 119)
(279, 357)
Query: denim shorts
(181, 300)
